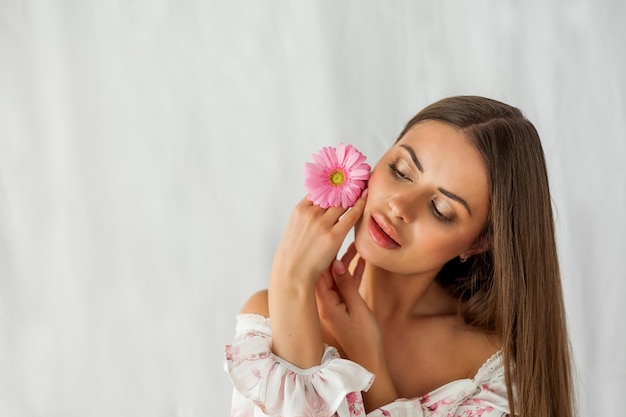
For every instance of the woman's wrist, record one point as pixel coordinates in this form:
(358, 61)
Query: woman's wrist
(296, 332)
(382, 391)
(292, 276)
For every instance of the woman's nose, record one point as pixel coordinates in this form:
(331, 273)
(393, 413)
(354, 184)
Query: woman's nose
(404, 206)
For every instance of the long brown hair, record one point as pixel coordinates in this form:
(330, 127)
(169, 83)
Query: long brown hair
(514, 288)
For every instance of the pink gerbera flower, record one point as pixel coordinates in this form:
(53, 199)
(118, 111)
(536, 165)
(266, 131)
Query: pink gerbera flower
(336, 176)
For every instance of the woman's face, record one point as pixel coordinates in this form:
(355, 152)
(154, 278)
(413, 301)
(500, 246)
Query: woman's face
(428, 202)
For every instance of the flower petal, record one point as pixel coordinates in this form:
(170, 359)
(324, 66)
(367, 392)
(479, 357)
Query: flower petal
(341, 154)
(362, 172)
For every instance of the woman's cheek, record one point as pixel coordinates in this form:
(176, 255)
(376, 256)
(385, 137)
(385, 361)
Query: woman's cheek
(375, 185)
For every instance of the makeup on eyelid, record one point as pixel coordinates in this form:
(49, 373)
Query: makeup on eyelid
(442, 211)
(445, 212)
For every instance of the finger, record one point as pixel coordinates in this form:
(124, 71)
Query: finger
(326, 296)
(347, 287)
(349, 255)
(329, 215)
(323, 287)
(333, 214)
(305, 206)
(358, 271)
(305, 201)
(350, 218)
(327, 280)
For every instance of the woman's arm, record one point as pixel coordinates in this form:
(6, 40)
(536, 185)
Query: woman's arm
(310, 243)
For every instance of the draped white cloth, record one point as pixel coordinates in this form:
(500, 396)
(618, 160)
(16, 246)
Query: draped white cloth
(151, 151)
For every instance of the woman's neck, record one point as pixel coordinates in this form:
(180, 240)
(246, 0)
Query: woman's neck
(392, 296)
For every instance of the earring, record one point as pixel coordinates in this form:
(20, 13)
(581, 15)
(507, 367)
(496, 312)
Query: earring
(463, 258)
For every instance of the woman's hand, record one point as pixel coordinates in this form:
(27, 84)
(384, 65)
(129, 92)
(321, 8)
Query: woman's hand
(311, 240)
(310, 243)
(346, 315)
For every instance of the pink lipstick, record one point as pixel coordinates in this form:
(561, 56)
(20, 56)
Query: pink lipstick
(382, 232)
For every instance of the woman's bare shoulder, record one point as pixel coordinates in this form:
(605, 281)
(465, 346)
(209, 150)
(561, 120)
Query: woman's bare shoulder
(257, 304)
(474, 346)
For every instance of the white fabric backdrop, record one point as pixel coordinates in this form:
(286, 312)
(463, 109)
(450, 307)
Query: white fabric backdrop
(151, 151)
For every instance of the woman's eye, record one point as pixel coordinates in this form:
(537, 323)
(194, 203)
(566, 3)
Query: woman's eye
(439, 215)
(397, 173)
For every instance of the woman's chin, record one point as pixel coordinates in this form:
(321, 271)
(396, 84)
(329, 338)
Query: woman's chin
(364, 248)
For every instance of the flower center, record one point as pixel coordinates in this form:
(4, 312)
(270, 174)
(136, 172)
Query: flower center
(337, 177)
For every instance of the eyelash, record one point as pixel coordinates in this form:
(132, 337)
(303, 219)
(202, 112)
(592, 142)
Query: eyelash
(402, 176)
(439, 215)
(397, 173)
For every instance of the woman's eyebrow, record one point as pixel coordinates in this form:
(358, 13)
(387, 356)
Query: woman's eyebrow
(413, 157)
(441, 190)
(456, 198)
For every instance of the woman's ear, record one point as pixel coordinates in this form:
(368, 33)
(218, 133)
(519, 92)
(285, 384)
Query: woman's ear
(483, 244)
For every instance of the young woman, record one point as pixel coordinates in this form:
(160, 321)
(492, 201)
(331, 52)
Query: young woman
(449, 301)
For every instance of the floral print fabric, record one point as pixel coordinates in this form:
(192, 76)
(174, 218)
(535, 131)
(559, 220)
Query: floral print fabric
(266, 385)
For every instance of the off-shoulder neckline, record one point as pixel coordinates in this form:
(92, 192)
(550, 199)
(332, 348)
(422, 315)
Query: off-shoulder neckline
(491, 369)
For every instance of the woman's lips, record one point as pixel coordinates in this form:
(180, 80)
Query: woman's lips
(382, 232)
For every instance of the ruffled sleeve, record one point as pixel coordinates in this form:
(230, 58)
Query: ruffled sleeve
(277, 388)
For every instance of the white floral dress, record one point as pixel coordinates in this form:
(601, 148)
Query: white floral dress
(266, 385)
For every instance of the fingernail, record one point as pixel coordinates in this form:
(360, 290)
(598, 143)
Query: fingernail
(338, 267)
(364, 195)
